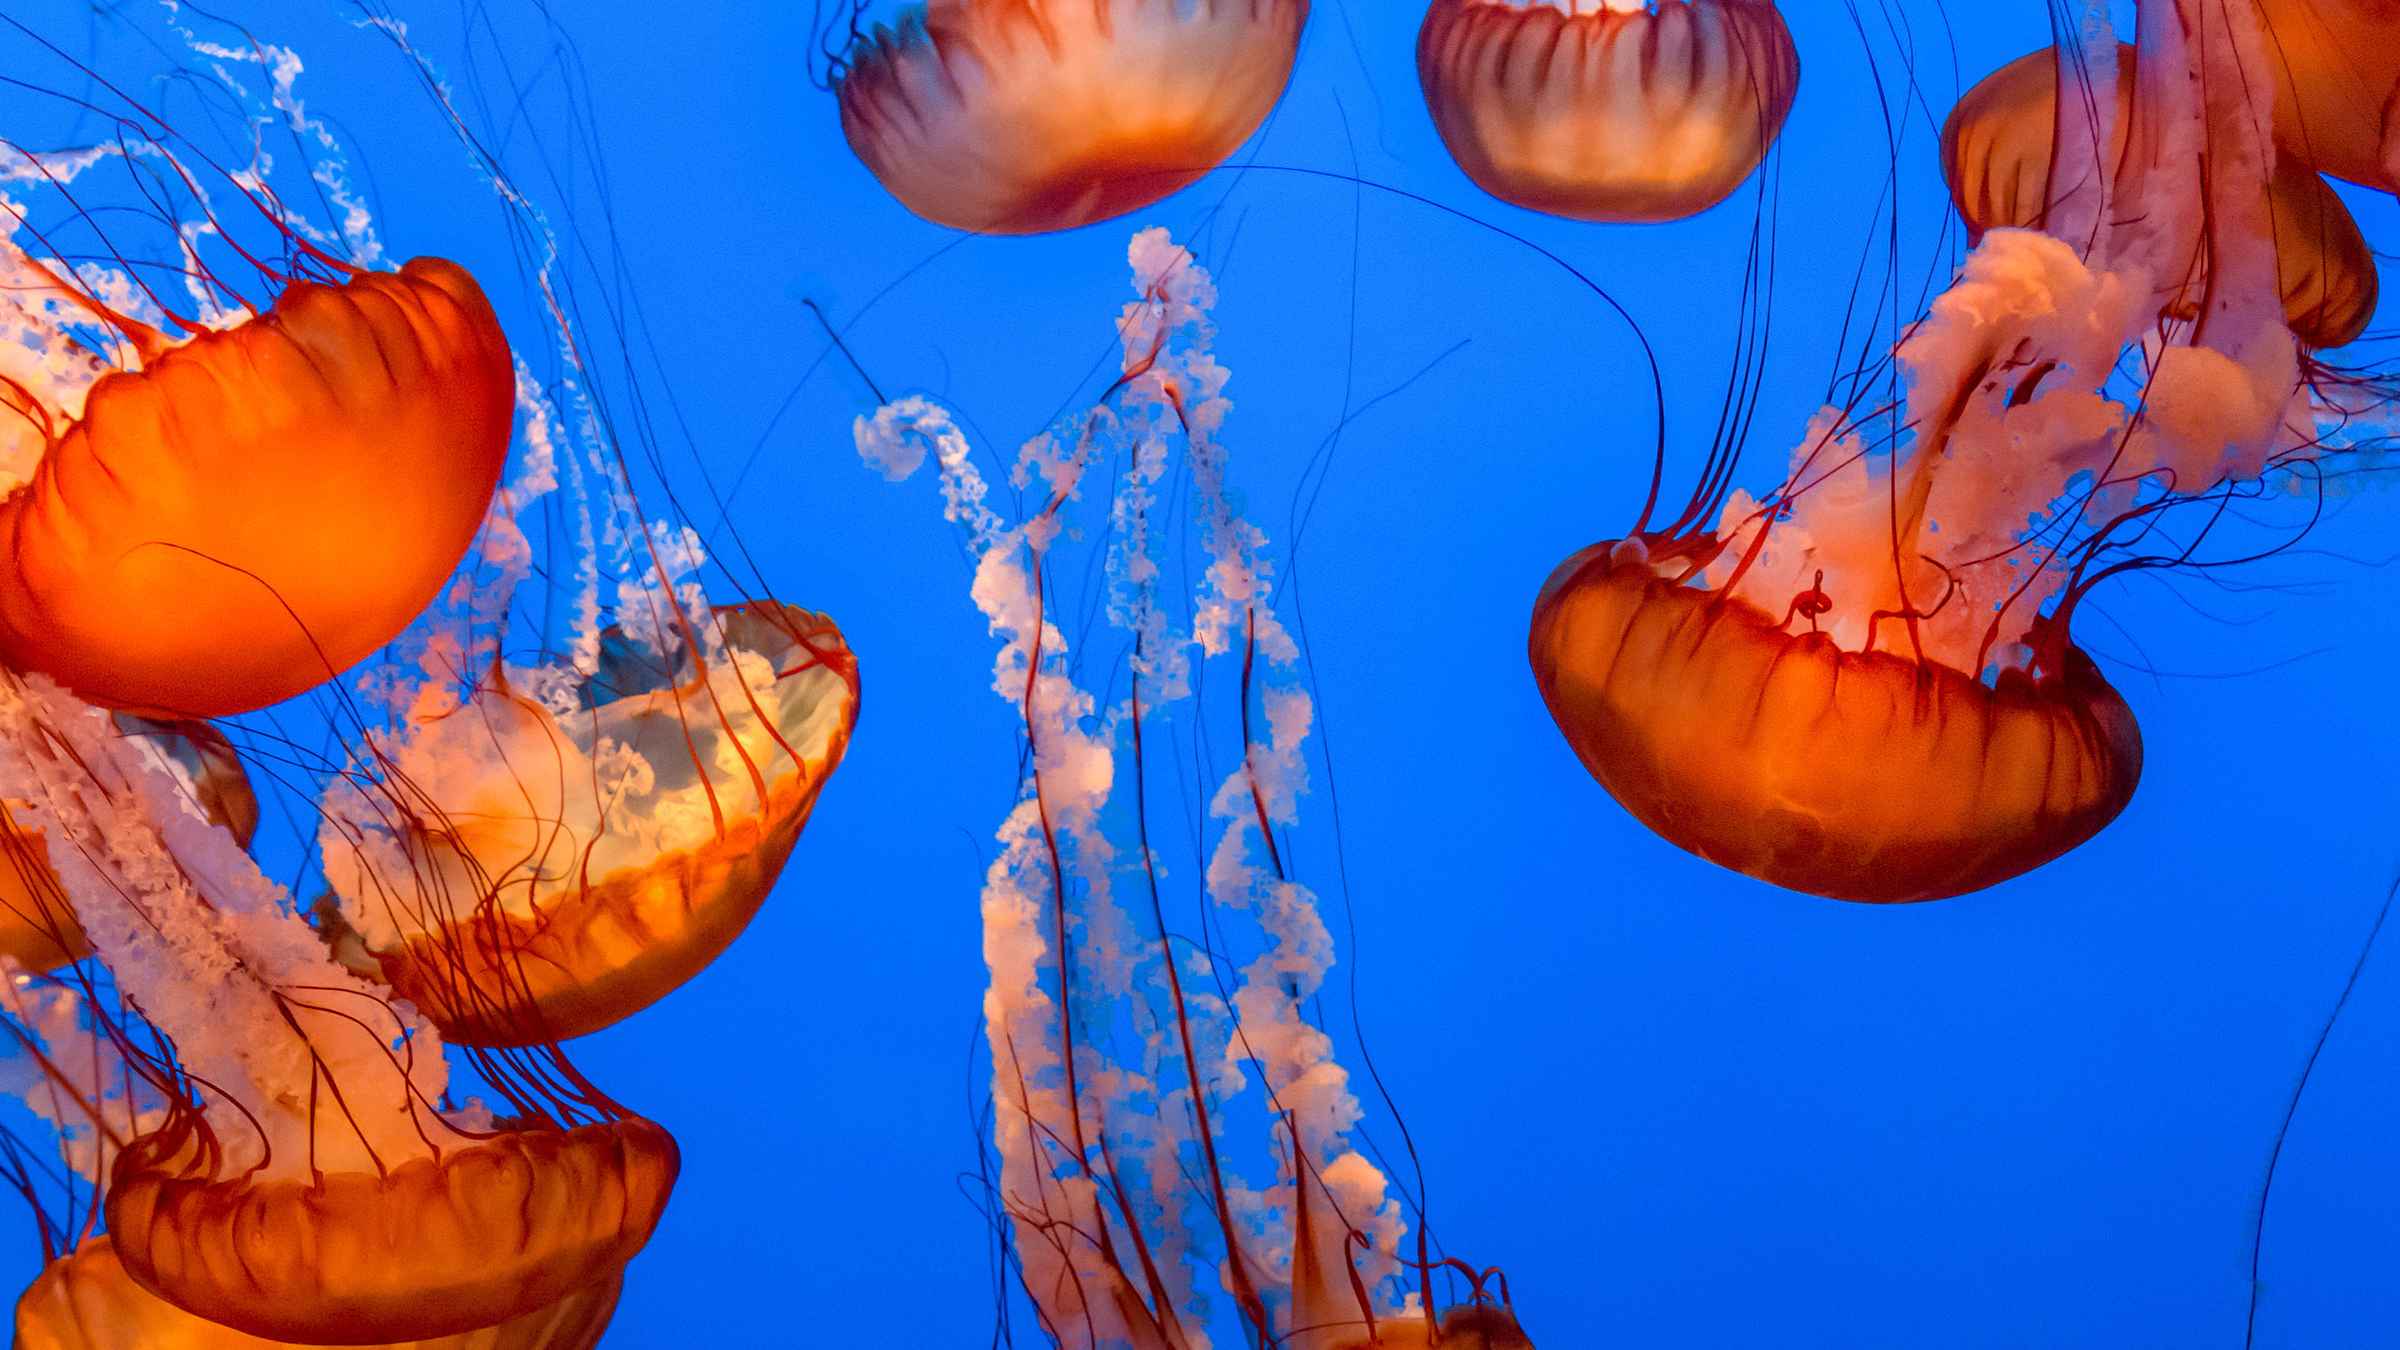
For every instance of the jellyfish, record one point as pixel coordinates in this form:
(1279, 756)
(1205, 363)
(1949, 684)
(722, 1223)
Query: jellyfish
(86, 1301)
(1023, 116)
(304, 1182)
(2336, 87)
(204, 765)
(1864, 684)
(1608, 110)
(1996, 154)
(244, 510)
(1135, 1057)
(530, 847)
(678, 753)
(83, 1071)
(307, 1164)
(526, 870)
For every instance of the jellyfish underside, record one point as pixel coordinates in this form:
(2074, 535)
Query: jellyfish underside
(1609, 114)
(1997, 148)
(85, 1300)
(540, 922)
(1024, 116)
(259, 508)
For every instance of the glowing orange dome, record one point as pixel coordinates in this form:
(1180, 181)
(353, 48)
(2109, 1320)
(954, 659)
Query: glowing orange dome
(39, 932)
(1854, 775)
(575, 925)
(430, 1248)
(2337, 85)
(1996, 155)
(1019, 116)
(86, 1301)
(1612, 112)
(262, 506)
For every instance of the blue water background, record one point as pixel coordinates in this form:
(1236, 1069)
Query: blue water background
(1681, 1108)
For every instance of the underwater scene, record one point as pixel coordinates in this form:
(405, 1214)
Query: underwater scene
(1186, 674)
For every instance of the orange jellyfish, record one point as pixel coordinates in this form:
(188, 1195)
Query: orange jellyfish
(306, 1166)
(2336, 85)
(1609, 110)
(1997, 150)
(307, 1179)
(1020, 116)
(497, 1229)
(1863, 685)
(1717, 724)
(85, 1301)
(95, 1080)
(1111, 1158)
(525, 875)
(252, 509)
(39, 936)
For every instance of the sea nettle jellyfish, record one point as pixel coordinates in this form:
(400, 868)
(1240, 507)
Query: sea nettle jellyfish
(2336, 85)
(302, 1165)
(1019, 116)
(525, 846)
(220, 500)
(91, 1075)
(1613, 110)
(1126, 1049)
(1864, 684)
(306, 1181)
(86, 1301)
(1998, 144)
(553, 846)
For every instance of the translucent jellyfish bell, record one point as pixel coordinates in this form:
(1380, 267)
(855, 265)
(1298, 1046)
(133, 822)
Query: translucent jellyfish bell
(482, 1234)
(260, 507)
(85, 1300)
(1999, 142)
(535, 873)
(1020, 116)
(1715, 726)
(2336, 85)
(1608, 110)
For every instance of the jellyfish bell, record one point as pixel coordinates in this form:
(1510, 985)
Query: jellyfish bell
(85, 1300)
(308, 1180)
(259, 507)
(95, 1075)
(1857, 775)
(2336, 86)
(37, 930)
(1608, 110)
(540, 872)
(493, 1231)
(1863, 684)
(1999, 142)
(1024, 116)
